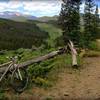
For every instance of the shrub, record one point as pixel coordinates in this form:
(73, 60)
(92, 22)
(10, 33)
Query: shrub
(2, 96)
(93, 45)
(40, 70)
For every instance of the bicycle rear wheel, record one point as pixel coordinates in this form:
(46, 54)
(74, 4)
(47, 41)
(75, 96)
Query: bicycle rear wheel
(19, 82)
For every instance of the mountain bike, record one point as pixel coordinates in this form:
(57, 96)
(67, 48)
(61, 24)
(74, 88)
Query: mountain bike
(14, 76)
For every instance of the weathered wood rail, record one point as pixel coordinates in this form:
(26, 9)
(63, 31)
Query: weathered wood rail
(5, 64)
(47, 56)
(35, 60)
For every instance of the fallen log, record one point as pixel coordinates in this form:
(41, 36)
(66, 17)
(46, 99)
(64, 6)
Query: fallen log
(36, 60)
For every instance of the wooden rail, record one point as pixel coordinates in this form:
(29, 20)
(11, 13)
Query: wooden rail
(5, 64)
(47, 56)
(36, 60)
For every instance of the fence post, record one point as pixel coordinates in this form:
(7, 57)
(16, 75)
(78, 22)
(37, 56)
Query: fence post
(73, 53)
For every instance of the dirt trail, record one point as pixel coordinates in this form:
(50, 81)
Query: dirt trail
(83, 84)
(72, 85)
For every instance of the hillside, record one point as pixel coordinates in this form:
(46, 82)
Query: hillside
(15, 35)
(47, 18)
(54, 32)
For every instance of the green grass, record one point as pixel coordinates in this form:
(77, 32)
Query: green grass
(4, 57)
(92, 53)
(45, 73)
(53, 31)
(25, 54)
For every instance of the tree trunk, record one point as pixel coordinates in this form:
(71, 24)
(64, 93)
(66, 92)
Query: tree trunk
(73, 53)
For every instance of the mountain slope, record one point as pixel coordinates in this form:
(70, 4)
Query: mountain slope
(54, 32)
(47, 18)
(15, 35)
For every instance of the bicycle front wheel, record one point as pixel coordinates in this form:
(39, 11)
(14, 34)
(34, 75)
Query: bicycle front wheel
(19, 80)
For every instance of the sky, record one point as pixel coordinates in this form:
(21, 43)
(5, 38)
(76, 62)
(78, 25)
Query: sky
(37, 8)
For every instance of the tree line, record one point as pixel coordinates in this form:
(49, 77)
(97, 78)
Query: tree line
(14, 35)
(69, 21)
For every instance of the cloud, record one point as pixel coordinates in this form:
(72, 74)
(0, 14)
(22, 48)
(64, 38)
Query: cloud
(99, 10)
(34, 7)
(43, 8)
(11, 5)
(82, 8)
(14, 4)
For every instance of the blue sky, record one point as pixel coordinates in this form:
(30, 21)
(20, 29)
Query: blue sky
(34, 7)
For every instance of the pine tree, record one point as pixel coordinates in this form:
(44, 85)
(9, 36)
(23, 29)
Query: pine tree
(96, 23)
(97, 12)
(88, 21)
(69, 20)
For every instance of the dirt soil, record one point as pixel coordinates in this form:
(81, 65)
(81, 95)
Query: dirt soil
(83, 84)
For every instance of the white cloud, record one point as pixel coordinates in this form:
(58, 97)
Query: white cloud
(99, 10)
(34, 7)
(13, 4)
(82, 8)
(40, 8)
(43, 7)
(9, 6)
(2, 6)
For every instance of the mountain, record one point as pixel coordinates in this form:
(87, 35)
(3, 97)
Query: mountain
(14, 35)
(7, 14)
(16, 16)
(47, 18)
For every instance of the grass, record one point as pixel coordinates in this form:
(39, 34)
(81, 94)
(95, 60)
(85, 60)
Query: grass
(92, 53)
(53, 31)
(25, 54)
(43, 74)
(94, 50)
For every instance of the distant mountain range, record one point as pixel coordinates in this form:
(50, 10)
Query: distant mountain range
(16, 16)
(19, 17)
